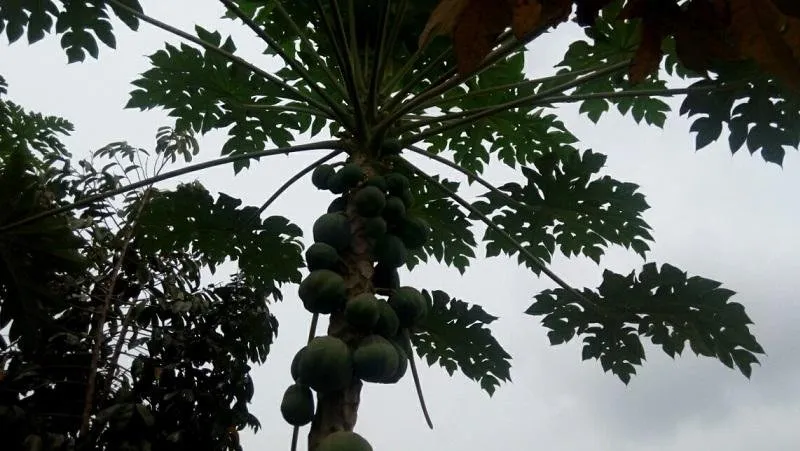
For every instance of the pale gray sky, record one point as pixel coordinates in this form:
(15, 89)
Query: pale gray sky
(729, 218)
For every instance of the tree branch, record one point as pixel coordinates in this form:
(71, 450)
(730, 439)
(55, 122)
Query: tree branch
(340, 114)
(398, 24)
(439, 88)
(332, 144)
(282, 108)
(89, 396)
(378, 63)
(469, 116)
(291, 182)
(489, 223)
(406, 90)
(637, 93)
(295, 93)
(471, 175)
(304, 37)
(519, 84)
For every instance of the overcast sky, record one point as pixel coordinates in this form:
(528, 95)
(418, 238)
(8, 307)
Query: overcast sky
(728, 218)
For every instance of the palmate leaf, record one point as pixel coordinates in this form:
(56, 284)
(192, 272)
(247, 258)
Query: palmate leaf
(515, 136)
(268, 252)
(33, 132)
(666, 306)
(455, 335)
(565, 206)
(205, 92)
(451, 240)
(80, 23)
(611, 41)
(761, 114)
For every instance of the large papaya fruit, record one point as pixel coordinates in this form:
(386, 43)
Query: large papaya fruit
(297, 406)
(322, 291)
(326, 364)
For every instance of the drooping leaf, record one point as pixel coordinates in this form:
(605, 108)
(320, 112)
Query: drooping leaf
(455, 334)
(665, 306)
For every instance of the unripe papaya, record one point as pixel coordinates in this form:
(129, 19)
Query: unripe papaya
(375, 227)
(414, 232)
(362, 311)
(333, 229)
(378, 182)
(351, 175)
(397, 183)
(326, 364)
(297, 406)
(390, 250)
(369, 201)
(402, 366)
(395, 209)
(375, 359)
(322, 175)
(344, 441)
(335, 183)
(321, 256)
(322, 291)
(409, 305)
(388, 324)
(295, 367)
(338, 205)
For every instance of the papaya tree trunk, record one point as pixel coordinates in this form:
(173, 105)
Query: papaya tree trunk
(338, 410)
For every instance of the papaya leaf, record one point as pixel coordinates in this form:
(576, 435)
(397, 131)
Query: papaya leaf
(214, 231)
(32, 132)
(516, 136)
(665, 306)
(563, 205)
(81, 24)
(206, 92)
(455, 334)
(451, 240)
(611, 41)
(761, 114)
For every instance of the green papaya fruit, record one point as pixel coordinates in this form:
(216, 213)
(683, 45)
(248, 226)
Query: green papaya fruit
(409, 305)
(394, 210)
(390, 250)
(375, 359)
(388, 324)
(362, 311)
(321, 256)
(344, 441)
(333, 229)
(369, 201)
(322, 175)
(297, 406)
(351, 174)
(322, 291)
(326, 364)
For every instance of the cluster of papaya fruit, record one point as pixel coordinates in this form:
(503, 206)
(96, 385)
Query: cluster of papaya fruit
(380, 351)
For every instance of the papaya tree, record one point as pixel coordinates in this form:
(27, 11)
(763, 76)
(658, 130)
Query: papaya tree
(445, 80)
